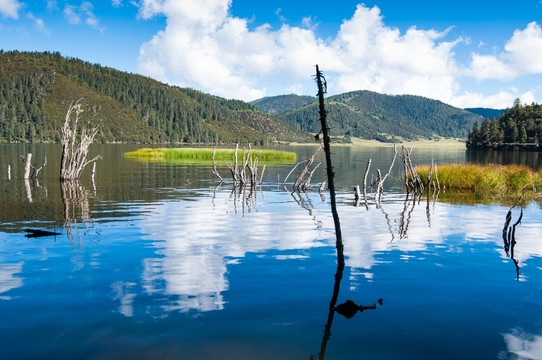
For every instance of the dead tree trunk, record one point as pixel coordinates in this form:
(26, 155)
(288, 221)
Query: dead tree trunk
(215, 171)
(380, 185)
(37, 170)
(300, 183)
(252, 165)
(365, 180)
(412, 179)
(76, 139)
(321, 82)
(27, 165)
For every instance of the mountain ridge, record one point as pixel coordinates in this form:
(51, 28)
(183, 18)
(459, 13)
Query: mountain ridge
(369, 115)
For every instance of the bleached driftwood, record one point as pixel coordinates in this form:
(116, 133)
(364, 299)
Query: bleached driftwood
(76, 139)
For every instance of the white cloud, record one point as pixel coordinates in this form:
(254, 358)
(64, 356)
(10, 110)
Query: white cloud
(10, 8)
(204, 46)
(281, 17)
(520, 57)
(72, 15)
(52, 5)
(524, 49)
(38, 23)
(485, 67)
(82, 13)
(500, 100)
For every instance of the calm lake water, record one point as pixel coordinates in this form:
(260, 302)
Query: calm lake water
(155, 261)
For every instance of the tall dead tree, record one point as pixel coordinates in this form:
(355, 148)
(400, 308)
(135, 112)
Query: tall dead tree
(322, 88)
(76, 139)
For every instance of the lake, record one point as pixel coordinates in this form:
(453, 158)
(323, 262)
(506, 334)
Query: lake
(156, 260)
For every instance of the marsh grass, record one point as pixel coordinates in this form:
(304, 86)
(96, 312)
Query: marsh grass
(502, 179)
(206, 154)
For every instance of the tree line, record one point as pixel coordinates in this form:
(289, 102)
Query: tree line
(519, 126)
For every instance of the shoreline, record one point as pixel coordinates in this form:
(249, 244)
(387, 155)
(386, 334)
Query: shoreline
(442, 143)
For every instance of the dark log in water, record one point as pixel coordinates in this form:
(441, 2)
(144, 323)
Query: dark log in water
(34, 233)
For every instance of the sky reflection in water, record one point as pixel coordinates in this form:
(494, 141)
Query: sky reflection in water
(200, 274)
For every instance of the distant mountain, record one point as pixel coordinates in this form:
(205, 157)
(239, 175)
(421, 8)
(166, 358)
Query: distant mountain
(37, 88)
(370, 115)
(486, 112)
(274, 105)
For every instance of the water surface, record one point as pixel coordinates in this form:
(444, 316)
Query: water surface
(155, 260)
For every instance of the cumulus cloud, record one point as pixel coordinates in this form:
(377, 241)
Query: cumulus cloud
(520, 57)
(524, 49)
(204, 46)
(485, 67)
(10, 8)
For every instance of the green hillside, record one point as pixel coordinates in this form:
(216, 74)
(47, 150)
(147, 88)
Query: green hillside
(37, 88)
(275, 105)
(370, 115)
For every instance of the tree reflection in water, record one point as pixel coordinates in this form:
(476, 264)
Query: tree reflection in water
(509, 237)
(75, 199)
(347, 309)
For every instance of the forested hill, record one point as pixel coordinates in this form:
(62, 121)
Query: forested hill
(37, 88)
(370, 115)
(274, 105)
(517, 127)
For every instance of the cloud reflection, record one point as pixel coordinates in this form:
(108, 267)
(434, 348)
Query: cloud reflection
(196, 240)
(524, 345)
(8, 280)
(123, 295)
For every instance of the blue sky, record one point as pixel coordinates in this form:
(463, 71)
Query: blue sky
(465, 53)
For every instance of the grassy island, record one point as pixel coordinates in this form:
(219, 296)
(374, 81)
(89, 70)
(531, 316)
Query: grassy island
(491, 178)
(206, 154)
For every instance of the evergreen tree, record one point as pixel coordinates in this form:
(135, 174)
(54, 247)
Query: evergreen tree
(519, 125)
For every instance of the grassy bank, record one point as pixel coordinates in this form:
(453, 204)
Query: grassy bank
(206, 154)
(499, 179)
(443, 142)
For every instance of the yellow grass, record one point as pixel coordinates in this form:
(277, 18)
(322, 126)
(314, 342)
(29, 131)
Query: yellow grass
(491, 178)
